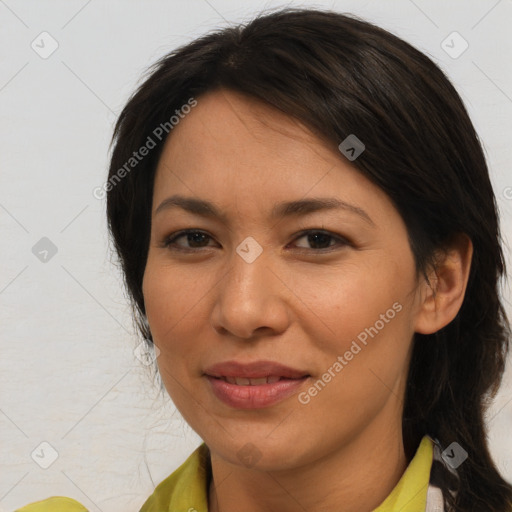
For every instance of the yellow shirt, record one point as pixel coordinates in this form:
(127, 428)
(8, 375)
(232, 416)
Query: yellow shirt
(186, 489)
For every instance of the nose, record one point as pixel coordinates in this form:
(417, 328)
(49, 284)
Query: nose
(251, 300)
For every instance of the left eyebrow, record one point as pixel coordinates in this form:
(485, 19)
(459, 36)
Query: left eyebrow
(305, 206)
(280, 210)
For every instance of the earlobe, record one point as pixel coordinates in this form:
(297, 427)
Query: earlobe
(442, 298)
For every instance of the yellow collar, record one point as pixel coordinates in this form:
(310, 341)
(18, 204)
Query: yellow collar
(187, 487)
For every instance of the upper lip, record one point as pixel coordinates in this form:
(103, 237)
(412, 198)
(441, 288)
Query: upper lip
(254, 370)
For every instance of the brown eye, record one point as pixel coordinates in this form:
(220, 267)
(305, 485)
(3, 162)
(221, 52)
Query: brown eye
(321, 240)
(195, 239)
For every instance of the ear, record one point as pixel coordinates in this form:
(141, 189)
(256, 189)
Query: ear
(442, 298)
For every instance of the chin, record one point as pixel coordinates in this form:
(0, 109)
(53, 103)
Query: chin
(257, 451)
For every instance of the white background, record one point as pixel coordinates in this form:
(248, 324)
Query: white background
(68, 375)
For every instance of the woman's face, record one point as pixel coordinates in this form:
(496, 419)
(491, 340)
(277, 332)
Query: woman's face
(330, 293)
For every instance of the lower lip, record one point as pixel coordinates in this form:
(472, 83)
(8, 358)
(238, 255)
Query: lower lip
(254, 397)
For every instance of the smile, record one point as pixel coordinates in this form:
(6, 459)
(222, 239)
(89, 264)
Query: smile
(245, 393)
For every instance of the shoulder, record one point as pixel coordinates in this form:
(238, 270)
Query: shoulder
(54, 504)
(187, 484)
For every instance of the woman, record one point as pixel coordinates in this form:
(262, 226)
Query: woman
(309, 235)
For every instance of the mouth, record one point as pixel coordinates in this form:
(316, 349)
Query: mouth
(259, 381)
(254, 385)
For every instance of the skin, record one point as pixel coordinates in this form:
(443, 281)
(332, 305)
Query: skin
(295, 304)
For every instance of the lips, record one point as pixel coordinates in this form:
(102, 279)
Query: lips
(254, 385)
(253, 370)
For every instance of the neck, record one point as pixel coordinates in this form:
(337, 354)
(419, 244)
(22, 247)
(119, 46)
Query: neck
(358, 476)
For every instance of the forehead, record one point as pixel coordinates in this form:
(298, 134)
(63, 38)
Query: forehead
(231, 146)
(236, 130)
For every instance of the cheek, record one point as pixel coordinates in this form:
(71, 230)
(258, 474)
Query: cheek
(362, 315)
(369, 318)
(173, 308)
(342, 304)
(172, 303)
(171, 296)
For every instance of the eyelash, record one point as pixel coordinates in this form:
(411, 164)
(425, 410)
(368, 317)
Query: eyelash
(171, 239)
